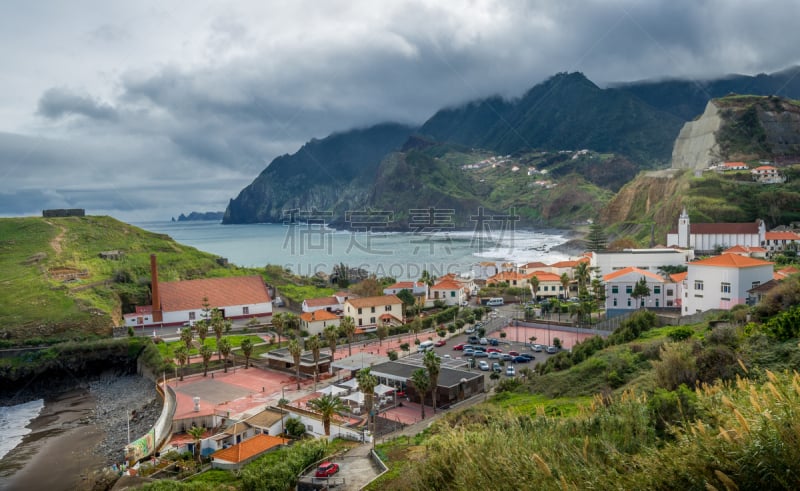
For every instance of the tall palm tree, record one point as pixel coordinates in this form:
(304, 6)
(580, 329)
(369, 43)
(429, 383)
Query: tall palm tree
(535, 287)
(565, 284)
(186, 337)
(327, 406)
(217, 324)
(196, 433)
(314, 344)
(182, 355)
(382, 332)
(331, 334)
(278, 325)
(291, 322)
(422, 383)
(348, 327)
(206, 353)
(582, 274)
(433, 365)
(224, 350)
(247, 351)
(295, 350)
(556, 306)
(366, 384)
(201, 327)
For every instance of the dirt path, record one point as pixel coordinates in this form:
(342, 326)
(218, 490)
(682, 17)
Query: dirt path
(56, 242)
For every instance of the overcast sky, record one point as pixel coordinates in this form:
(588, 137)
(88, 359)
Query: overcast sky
(146, 109)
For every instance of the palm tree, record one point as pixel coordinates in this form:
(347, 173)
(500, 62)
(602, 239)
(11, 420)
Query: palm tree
(348, 328)
(313, 344)
(247, 351)
(182, 355)
(416, 326)
(382, 332)
(331, 334)
(433, 365)
(366, 384)
(327, 406)
(535, 287)
(224, 350)
(186, 337)
(582, 274)
(201, 327)
(421, 382)
(278, 325)
(206, 353)
(291, 321)
(196, 433)
(557, 306)
(217, 324)
(565, 284)
(295, 350)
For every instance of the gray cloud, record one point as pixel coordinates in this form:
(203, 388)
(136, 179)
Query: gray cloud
(171, 109)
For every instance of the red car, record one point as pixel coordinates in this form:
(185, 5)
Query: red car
(459, 347)
(513, 353)
(440, 342)
(493, 350)
(327, 469)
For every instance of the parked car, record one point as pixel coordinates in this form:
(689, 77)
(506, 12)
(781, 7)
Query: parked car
(538, 348)
(506, 357)
(469, 352)
(440, 342)
(484, 341)
(471, 329)
(459, 347)
(511, 371)
(513, 353)
(483, 366)
(528, 356)
(494, 342)
(481, 354)
(496, 367)
(327, 469)
(521, 359)
(474, 339)
(464, 303)
(494, 350)
(478, 325)
(494, 355)
(552, 349)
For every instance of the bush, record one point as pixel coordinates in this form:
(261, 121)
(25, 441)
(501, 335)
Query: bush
(670, 408)
(392, 354)
(677, 366)
(680, 333)
(295, 428)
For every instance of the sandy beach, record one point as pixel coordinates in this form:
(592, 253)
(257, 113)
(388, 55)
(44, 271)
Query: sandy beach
(78, 432)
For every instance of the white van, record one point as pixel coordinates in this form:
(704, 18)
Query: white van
(425, 346)
(495, 301)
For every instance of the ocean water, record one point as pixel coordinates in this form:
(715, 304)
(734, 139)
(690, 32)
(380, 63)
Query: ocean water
(309, 249)
(14, 421)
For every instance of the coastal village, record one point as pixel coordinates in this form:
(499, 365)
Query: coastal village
(369, 387)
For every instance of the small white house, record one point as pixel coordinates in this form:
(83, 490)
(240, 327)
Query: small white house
(720, 282)
(619, 291)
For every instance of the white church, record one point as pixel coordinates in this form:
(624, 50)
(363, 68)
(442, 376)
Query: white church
(705, 238)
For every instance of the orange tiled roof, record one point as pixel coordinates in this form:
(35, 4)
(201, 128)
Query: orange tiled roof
(321, 302)
(507, 275)
(740, 249)
(318, 315)
(735, 164)
(731, 261)
(631, 269)
(678, 277)
(781, 236)
(544, 276)
(221, 292)
(447, 284)
(361, 303)
(535, 264)
(765, 167)
(248, 448)
(405, 285)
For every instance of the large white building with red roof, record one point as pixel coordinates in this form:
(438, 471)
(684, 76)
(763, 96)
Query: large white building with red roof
(708, 237)
(606, 262)
(368, 311)
(777, 242)
(721, 282)
(451, 291)
(620, 285)
(179, 302)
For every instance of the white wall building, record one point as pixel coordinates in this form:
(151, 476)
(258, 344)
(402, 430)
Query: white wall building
(706, 237)
(606, 262)
(720, 282)
(620, 285)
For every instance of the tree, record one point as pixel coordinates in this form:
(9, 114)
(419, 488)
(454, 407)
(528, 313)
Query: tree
(278, 325)
(331, 334)
(206, 353)
(247, 351)
(196, 433)
(201, 327)
(535, 287)
(596, 239)
(206, 313)
(422, 383)
(382, 332)
(341, 275)
(416, 326)
(182, 355)
(366, 384)
(313, 344)
(348, 327)
(295, 350)
(433, 365)
(368, 287)
(327, 406)
(405, 347)
(640, 290)
(217, 324)
(224, 350)
(407, 297)
(582, 273)
(565, 284)
(186, 337)
(556, 304)
(427, 278)
(599, 292)
(291, 322)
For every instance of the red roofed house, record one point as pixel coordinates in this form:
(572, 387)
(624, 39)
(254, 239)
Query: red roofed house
(748, 251)
(727, 166)
(367, 311)
(325, 303)
(316, 322)
(620, 285)
(777, 242)
(237, 455)
(549, 284)
(720, 282)
(707, 237)
(417, 288)
(512, 278)
(767, 174)
(451, 291)
(179, 302)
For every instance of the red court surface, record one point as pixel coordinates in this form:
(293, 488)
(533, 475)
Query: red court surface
(544, 336)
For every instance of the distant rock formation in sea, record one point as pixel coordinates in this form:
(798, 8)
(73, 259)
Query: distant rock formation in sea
(199, 215)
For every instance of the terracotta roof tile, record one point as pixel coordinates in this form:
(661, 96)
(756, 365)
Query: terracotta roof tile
(321, 302)
(361, 303)
(447, 284)
(221, 292)
(249, 448)
(678, 277)
(319, 315)
(731, 261)
(781, 236)
(544, 276)
(631, 269)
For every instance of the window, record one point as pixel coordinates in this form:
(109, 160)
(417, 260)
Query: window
(191, 316)
(656, 289)
(453, 294)
(387, 308)
(756, 283)
(372, 320)
(725, 288)
(360, 323)
(245, 310)
(629, 289)
(657, 305)
(359, 310)
(372, 309)
(615, 289)
(698, 284)
(615, 302)
(629, 302)
(669, 292)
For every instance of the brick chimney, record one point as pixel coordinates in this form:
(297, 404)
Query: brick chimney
(157, 316)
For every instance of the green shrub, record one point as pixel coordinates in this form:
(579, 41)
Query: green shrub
(680, 333)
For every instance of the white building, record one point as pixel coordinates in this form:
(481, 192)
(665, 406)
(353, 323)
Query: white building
(417, 288)
(452, 292)
(315, 322)
(620, 285)
(720, 282)
(707, 237)
(777, 242)
(367, 311)
(606, 262)
(330, 304)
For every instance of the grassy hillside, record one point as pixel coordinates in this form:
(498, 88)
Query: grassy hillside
(55, 285)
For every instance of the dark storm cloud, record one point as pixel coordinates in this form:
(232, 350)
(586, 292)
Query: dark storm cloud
(58, 102)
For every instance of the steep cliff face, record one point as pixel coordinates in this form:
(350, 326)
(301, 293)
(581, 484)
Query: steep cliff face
(739, 128)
